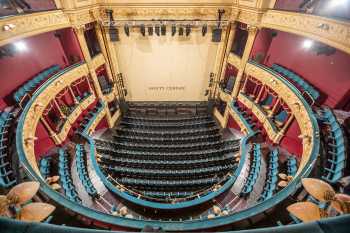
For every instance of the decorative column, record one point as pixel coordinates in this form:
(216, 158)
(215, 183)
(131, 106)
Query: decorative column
(282, 132)
(58, 108)
(103, 46)
(275, 107)
(257, 99)
(252, 31)
(111, 54)
(227, 46)
(92, 71)
(52, 134)
(72, 93)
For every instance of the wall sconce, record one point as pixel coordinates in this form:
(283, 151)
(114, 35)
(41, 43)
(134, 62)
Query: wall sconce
(8, 27)
(30, 140)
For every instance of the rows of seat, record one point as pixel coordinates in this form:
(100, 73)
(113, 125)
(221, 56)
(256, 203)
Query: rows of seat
(32, 84)
(161, 147)
(244, 116)
(83, 172)
(292, 166)
(335, 147)
(164, 162)
(172, 140)
(154, 154)
(272, 176)
(298, 80)
(7, 178)
(147, 184)
(167, 134)
(90, 118)
(168, 126)
(166, 119)
(170, 195)
(65, 177)
(45, 166)
(134, 154)
(253, 172)
(161, 173)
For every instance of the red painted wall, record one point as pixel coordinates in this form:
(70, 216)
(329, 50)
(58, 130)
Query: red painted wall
(43, 51)
(292, 5)
(70, 44)
(262, 43)
(322, 7)
(291, 142)
(329, 74)
(44, 143)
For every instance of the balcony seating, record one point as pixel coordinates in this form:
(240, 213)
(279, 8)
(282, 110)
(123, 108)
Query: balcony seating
(65, 177)
(335, 148)
(266, 103)
(272, 176)
(90, 118)
(298, 80)
(83, 97)
(245, 117)
(7, 178)
(292, 166)
(281, 118)
(32, 84)
(45, 167)
(83, 173)
(254, 171)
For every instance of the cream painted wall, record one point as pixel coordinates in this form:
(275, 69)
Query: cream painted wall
(166, 68)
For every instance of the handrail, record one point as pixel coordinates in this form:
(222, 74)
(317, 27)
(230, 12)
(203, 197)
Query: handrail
(195, 224)
(328, 225)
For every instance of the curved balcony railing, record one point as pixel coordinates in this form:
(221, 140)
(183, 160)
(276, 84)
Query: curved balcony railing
(28, 123)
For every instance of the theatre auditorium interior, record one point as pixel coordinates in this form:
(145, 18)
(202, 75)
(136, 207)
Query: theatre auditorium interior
(174, 116)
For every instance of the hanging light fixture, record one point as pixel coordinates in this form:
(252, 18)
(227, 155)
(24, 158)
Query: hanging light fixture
(173, 30)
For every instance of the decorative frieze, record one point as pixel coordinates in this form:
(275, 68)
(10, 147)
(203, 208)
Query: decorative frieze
(16, 27)
(329, 31)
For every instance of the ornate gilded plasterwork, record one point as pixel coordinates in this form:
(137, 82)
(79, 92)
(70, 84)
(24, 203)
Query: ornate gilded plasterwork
(261, 116)
(31, 24)
(97, 61)
(234, 60)
(36, 110)
(250, 16)
(161, 12)
(329, 31)
(79, 18)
